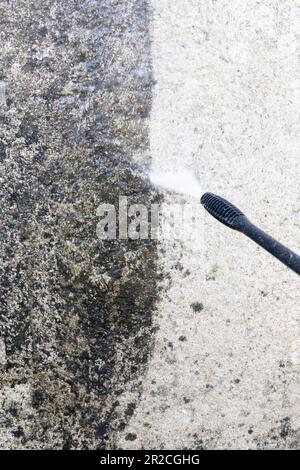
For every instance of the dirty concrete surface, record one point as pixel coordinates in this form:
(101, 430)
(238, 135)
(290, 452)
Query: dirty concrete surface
(138, 344)
(76, 313)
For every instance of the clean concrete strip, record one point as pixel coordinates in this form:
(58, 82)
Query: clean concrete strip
(225, 370)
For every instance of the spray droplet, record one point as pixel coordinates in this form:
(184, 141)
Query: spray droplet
(183, 183)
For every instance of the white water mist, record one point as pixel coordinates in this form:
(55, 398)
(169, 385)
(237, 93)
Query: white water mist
(181, 182)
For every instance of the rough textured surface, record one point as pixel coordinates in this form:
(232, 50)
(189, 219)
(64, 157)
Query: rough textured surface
(76, 313)
(84, 361)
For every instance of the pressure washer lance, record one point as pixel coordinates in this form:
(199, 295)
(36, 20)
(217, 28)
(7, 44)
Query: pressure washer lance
(231, 216)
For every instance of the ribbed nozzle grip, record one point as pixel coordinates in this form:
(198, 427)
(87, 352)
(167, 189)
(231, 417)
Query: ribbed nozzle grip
(221, 209)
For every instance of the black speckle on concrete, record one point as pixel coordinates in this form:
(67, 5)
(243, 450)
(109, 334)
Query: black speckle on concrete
(28, 130)
(197, 306)
(43, 31)
(284, 436)
(102, 429)
(202, 441)
(285, 427)
(130, 409)
(130, 437)
(37, 399)
(2, 151)
(182, 338)
(18, 433)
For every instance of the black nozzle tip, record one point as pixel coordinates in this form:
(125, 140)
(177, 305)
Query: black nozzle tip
(222, 210)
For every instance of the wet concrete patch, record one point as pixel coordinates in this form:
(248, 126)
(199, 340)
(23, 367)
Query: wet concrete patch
(76, 312)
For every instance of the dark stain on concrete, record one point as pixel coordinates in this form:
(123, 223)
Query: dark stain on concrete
(284, 436)
(197, 307)
(76, 312)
